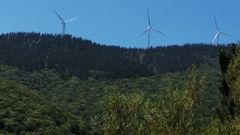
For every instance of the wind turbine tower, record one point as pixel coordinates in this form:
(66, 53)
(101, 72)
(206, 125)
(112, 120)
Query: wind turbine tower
(149, 29)
(63, 22)
(218, 32)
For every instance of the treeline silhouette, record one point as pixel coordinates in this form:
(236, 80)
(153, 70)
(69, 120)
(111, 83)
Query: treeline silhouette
(178, 58)
(83, 58)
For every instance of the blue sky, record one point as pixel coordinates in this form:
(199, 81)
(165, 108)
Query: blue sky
(119, 22)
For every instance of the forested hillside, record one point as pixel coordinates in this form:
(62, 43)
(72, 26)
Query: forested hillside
(55, 85)
(83, 99)
(24, 111)
(74, 56)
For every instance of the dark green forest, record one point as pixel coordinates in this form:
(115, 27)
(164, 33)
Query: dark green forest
(71, 56)
(53, 85)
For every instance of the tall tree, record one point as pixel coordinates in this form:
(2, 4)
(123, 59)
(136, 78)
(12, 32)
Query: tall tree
(227, 106)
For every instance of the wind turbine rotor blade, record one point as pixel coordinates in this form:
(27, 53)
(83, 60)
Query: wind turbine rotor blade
(215, 20)
(58, 15)
(224, 33)
(149, 21)
(71, 20)
(215, 37)
(159, 32)
(144, 32)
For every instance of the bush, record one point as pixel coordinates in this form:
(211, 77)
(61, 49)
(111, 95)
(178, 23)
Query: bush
(130, 114)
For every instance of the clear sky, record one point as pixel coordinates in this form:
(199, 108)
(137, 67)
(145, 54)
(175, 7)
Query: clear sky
(119, 22)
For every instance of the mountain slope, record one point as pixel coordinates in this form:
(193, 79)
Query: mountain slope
(23, 111)
(68, 55)
(83, 97)
(85, 59)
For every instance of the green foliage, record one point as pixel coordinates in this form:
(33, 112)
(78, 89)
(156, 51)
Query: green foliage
(216, 127)
(56, 85)
(228, 121)
(233, 77)
(83, 98)
(229, 69)
(24, 111)
(122, 114)
(173, 114)
(71, 56)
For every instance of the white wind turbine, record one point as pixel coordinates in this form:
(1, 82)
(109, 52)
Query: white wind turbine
(149, 29)
(218, 32)
(63, 22)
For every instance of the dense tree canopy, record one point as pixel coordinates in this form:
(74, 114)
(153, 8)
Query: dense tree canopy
(51, 84)
(74, 56)
(24, 111)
